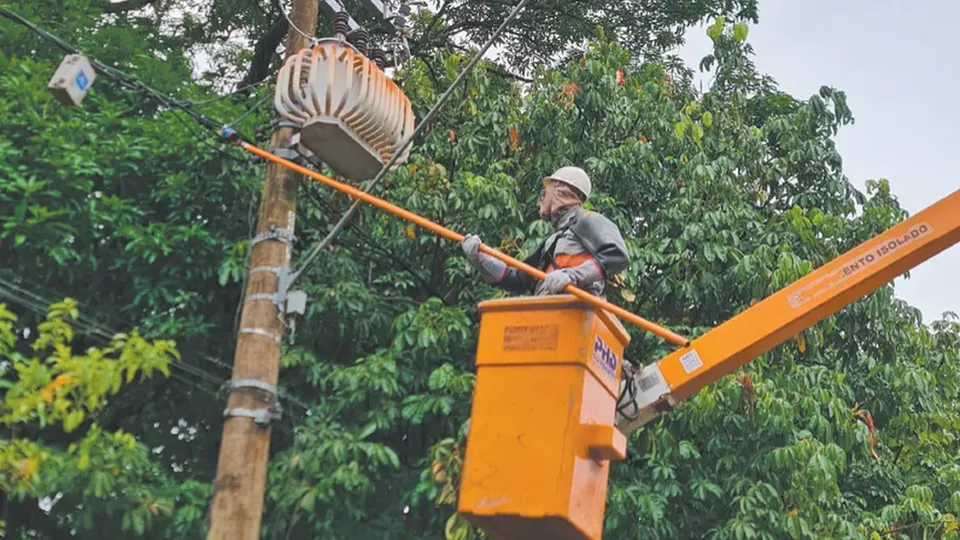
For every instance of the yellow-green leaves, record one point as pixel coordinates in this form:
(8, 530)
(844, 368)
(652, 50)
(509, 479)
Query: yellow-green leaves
(20, 461)
(740, 32)
(680, 128)
(64, 387)
(697, 133)
(83, 462)
(7, 337)
(715, 30)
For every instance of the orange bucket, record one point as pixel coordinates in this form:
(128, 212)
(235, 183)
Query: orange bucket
(542, 432)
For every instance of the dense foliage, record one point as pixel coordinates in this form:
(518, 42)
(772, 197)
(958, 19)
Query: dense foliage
(724, 196)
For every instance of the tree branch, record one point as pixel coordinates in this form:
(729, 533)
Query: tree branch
(496, 70)
(263, 53)
(123, 7)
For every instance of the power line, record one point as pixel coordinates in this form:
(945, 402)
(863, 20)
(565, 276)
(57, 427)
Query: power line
(94, 332)
(39, 304)
(296, 28)
(317, 248)
(243, 88)
(124, 80)
(251, 110)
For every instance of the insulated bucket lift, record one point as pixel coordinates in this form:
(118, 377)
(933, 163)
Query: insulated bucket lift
(545, 426)
(351, 115)
(540, 442)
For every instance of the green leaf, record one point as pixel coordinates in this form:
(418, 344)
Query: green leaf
(697, 133)
(308, 500)
(392, 457)
(73, 419)
(83, 462)
(223, 277)
(680, 128)
(688, 450)
(367, 430)
(716, 29)
(707, 119)
(740, 32)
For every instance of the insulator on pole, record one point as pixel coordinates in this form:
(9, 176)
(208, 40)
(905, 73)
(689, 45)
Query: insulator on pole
(341, 24)
(379, 57)
(360, 39)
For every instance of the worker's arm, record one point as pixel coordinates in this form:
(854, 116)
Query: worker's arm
(493, 270)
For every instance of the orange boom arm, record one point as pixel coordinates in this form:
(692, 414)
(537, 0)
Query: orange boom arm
(795, 308)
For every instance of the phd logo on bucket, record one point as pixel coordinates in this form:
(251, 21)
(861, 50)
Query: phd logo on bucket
(604, 357)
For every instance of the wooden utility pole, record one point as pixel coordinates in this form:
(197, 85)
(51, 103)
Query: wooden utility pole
(237, 506)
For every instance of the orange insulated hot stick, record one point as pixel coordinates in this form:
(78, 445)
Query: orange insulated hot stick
(594, 301)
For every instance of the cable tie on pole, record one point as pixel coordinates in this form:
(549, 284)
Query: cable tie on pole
(286, 153)
(261, 417)
(253, 383)
(275, 298)
(263, 333)
(271, 269)
(275, 233)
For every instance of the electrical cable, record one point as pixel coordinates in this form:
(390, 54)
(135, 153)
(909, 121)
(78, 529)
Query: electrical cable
(628, 398)
(317, 248)
(309, 38)
(126, 81)
(269, 77)
(251, 110)
(39, 304)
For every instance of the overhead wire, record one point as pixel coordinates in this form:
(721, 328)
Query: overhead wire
(318, 247)
(243, 88)
(125, 80)
(105, 337)
(39, 304)
(309, 38)
(92, 331)
(251, 110)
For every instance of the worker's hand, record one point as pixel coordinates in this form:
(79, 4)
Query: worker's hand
(471, 246)
(554, 283)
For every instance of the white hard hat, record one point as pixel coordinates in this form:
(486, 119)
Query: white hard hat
(574, 177)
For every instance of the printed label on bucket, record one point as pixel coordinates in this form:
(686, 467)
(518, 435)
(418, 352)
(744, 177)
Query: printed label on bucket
(540, 337)
(604, 357)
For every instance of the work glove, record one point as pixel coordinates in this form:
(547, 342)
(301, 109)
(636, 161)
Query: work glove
(581, 276)
(554, 283)
(491, 269)
(471, 247)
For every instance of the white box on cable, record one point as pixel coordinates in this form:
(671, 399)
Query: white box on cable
(72, 79)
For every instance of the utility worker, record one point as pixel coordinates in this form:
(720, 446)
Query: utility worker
(584, 248)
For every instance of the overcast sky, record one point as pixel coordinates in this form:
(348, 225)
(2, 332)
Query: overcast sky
(899, 64)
